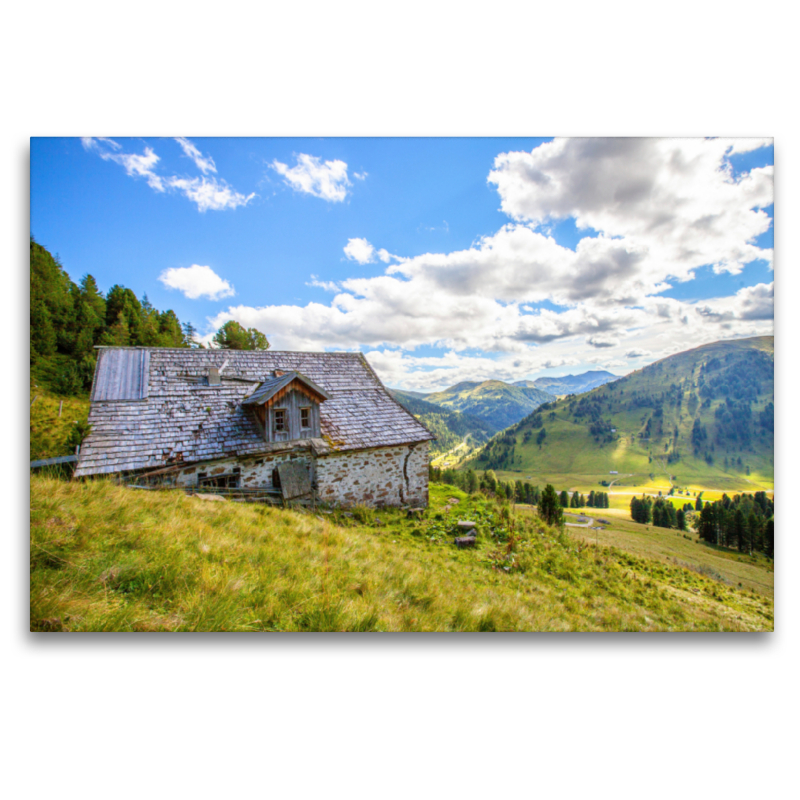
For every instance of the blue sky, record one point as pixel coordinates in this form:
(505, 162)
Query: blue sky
(444, 259)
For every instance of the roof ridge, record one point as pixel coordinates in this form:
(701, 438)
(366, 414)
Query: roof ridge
(201, 351)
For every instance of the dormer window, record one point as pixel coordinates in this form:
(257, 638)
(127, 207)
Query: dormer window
(286, 407)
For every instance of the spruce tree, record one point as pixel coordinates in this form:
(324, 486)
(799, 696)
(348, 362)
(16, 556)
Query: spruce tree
(769, 538)
(550, 507)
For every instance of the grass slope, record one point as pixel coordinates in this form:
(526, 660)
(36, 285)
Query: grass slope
(104, 557)
(498, 403)
(450, 427)
(755, 572)
(49, 431)
(644, 422)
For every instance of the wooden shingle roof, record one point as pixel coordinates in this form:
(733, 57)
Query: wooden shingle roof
(180, 418)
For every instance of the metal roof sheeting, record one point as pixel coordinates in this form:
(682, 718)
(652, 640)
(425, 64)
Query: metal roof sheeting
(121, 374)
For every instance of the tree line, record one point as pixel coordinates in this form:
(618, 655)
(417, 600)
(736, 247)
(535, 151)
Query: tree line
(577, 500)
(517, 491)
(488, 483)
(660, 512)
(68, 320)
(745, 522)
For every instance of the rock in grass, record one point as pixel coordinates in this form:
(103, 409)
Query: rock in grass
(217, 497)
(467, 525)
(464, 541)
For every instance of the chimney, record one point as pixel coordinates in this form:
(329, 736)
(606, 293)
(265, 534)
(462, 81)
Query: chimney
(278, 373)
(213, 376)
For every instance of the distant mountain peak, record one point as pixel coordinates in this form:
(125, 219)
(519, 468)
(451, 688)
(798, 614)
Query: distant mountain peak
(572, 384)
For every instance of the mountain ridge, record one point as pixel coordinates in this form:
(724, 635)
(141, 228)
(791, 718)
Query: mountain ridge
(498, 403)
(572, 384)
(702, 414)
(451, 428)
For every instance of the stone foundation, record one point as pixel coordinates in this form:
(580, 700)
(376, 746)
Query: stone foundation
(382, 476)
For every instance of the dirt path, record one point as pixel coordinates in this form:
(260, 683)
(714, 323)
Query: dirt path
(587, 524)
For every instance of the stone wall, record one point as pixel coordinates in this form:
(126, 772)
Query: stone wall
(382, 476)
(254, 473)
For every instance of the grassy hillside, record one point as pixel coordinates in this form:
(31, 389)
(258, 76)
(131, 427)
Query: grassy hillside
(451, 428)
(51, 434)
(702, 419)
(755, 572)
(497, 403)
(104, 557)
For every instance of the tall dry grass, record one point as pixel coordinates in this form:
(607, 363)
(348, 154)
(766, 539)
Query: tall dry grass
(104, 557)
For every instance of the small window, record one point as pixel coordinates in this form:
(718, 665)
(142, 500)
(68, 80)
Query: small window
(305, 417)
(280, 419)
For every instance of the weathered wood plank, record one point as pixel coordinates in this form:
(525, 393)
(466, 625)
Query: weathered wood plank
(46, 462)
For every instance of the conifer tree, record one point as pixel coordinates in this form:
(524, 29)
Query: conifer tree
(550, 507)
(769, 538)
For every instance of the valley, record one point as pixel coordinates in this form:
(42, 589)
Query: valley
(698, 420)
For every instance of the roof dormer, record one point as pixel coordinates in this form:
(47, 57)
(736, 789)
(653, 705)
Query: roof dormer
(287, 407)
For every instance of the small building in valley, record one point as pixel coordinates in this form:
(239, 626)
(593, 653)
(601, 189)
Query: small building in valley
(320, 423)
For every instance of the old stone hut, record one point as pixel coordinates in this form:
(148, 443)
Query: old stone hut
(242, 419)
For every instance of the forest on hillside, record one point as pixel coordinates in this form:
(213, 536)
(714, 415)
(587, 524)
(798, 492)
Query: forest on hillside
(68, 320)
(709, 406)
(450, 427)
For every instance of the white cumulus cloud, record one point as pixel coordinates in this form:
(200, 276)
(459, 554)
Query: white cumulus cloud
(325, 179)
(602, 341)
(328, 286)
(359, 250)
(751, 303)
(135, 165)
(209, 193)
(197, 281)
(203, 163)
(363, 252)
(206, 193)
(673, 201)
(658, 210)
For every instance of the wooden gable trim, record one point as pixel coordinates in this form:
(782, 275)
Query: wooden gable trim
(297, 386)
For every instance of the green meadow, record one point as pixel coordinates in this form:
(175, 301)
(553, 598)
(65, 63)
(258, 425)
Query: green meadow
(109, 558)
